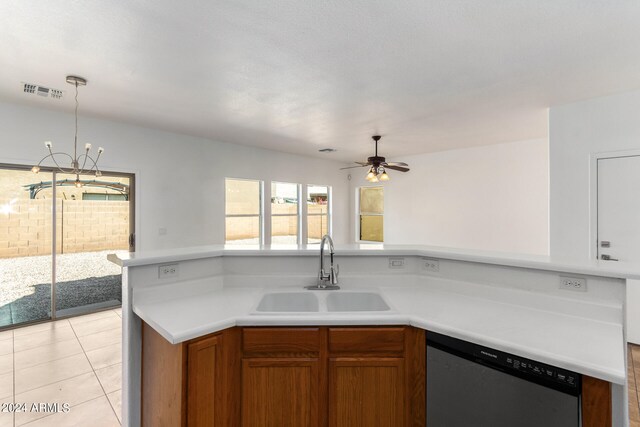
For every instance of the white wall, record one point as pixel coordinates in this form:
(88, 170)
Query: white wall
(491, 198)
(576, 131)
(180, 179)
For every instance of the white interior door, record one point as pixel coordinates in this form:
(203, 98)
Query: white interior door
(619, 225)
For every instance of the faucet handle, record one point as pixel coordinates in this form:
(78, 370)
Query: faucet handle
(334, 274)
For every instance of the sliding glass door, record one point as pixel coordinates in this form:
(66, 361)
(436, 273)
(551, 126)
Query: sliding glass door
(93, 221)
(54, 240)
(25, 249)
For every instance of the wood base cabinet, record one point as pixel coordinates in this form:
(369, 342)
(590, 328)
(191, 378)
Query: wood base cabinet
(286, 377)
(188, 384)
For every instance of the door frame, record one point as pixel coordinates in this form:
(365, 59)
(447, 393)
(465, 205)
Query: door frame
(593, 193)
(133, 225)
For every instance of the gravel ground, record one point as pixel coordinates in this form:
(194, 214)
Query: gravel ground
(82, 278)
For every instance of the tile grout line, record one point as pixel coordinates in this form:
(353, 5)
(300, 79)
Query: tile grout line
(52, 415)
(47, 385)
(59, 381)
(104, 393)
(48, 361)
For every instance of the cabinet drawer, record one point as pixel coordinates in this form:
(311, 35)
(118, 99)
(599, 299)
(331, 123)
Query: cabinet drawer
(280, 340)
(366, 340)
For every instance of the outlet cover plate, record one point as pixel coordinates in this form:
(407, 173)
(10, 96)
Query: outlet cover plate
(432, 265)
(168, 271)
(578, 284)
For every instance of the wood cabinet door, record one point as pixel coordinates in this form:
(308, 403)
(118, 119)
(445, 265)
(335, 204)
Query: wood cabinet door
(280, 392)
(366, 392)
(205, 382)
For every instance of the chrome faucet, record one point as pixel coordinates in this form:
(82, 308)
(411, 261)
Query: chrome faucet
(326, 281)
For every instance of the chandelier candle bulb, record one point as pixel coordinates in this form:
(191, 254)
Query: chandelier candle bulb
(35, 169)
(87, 146)
(48, 144)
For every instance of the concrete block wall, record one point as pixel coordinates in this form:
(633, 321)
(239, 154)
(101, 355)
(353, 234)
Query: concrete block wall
(82, 226)
(280, 225)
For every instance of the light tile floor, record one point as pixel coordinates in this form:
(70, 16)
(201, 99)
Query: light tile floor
(76, 361)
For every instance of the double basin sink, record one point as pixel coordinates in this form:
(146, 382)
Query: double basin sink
(324, 301)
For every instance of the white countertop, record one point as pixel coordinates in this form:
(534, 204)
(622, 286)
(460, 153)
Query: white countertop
(510, 320)
(594, 267)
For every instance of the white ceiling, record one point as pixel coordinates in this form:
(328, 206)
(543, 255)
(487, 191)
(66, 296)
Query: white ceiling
(301, 75)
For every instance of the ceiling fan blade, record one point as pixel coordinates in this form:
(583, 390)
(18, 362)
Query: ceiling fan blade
(359, 166)
(397, 168)
(397, 164)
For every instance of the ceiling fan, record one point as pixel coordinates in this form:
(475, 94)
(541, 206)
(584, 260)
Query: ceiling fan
(378, 165)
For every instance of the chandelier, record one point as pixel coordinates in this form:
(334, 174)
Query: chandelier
(81, 163)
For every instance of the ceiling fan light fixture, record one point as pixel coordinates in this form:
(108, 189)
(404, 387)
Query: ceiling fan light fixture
(371, 175)
(378, 165)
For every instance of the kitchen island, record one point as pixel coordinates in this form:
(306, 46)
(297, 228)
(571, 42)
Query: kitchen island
(512, 304)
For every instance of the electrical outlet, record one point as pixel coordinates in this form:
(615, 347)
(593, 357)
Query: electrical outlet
(432, 265)
(168, 271)
(573, 283)
(396, 262)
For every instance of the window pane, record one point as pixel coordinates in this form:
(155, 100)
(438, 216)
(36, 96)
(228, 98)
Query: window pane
(317, 227)
(371, 200)
(26, 232)
(242, 230)
(371, 228)
(89, 229)
(318, 210)
(284, 230)
(284, 198)
(284, 201)
(242, 197)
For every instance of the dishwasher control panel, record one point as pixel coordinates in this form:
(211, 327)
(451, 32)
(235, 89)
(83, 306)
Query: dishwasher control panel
(538, 372)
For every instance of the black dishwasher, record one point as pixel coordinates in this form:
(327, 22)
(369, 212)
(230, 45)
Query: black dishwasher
(469, 385)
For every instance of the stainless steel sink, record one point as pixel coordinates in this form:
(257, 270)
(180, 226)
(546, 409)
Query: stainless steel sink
(356, 301)
(288, 302)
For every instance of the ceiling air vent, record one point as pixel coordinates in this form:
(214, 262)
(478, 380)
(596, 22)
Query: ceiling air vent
(42, 91)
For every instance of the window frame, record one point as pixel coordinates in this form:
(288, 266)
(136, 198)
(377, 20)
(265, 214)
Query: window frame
(328, 214)
(358, 215)
(260, 214)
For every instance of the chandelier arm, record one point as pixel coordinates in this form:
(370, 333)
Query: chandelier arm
(85, 160)
(60, 168)
(95, 162)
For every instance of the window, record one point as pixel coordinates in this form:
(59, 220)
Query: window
(243, 212)
(317, 213)
(285, 213)
(103, 196)
(371, 214)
